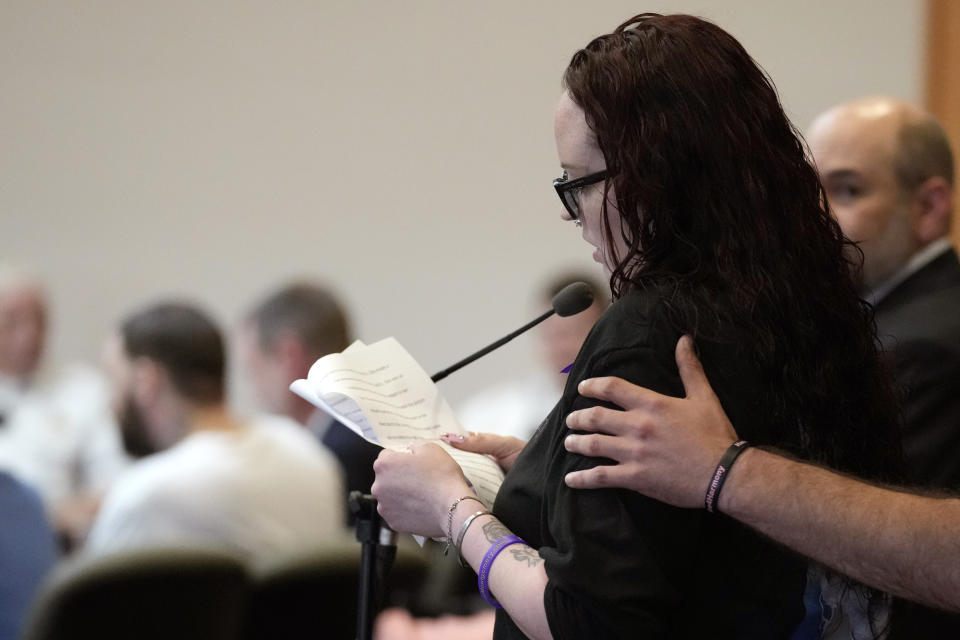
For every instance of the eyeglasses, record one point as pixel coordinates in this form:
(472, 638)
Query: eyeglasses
(569, 191)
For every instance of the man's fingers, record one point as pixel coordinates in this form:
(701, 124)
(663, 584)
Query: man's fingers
(695, 381)
(601, 419)
(600, 446)
(619, 392)
(599, 477)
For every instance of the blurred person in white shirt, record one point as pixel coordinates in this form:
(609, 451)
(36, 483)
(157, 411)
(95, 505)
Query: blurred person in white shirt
(57, 433)
(208, 478)
(282, 335)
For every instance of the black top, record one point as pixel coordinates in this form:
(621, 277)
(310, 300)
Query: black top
(619, 564)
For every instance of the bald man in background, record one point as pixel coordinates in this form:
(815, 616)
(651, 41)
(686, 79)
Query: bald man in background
(888, 173)
(887, 170)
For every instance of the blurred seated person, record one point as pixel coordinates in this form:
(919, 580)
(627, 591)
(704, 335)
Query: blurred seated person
(888, 171)
(398, 624)
(281, 337)
(56, 430)
(517, 407)
(251, 488)
(27, 552)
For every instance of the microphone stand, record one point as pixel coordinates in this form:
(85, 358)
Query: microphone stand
(378, 550)
(440, 375)
(379, 542)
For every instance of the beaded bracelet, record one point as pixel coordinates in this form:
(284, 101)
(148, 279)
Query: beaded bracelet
(463, 532)
(483, 576)
(712, 499)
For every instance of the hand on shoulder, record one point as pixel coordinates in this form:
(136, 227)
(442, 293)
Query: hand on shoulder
(666, 448)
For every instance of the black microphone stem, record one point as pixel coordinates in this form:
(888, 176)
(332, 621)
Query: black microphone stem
(440, 375)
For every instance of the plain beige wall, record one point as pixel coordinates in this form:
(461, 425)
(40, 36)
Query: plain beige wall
(401, 151)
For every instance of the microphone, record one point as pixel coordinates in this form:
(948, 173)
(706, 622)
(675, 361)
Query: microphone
(571, 300)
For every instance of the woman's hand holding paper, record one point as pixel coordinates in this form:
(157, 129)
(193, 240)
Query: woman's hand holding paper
(414, 490)
(503, 449)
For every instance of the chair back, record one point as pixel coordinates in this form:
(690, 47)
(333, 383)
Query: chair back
(315, 594)
(152, 594)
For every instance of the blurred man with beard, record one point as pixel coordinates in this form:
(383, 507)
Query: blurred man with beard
(207, 478)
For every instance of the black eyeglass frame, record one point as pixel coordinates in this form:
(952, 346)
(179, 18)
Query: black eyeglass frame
(566, 190)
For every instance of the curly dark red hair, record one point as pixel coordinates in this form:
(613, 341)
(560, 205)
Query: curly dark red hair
(719, 203)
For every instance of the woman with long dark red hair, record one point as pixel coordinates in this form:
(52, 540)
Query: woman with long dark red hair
(694, 189)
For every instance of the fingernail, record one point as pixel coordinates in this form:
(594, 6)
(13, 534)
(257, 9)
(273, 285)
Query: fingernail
(567, 441)
(452, 437)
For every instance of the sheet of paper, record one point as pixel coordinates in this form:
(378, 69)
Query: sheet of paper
(354, 421)
(481, 471)
(382, 393)
(356, 344)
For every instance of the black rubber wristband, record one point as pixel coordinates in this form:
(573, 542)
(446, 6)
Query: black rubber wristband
(712, 500)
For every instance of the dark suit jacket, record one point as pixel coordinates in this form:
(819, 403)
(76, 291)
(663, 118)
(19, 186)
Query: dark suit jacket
(919, 325)
(355, 455)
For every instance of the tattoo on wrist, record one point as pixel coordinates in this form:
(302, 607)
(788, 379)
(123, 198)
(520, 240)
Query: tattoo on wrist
(494, 530)
(523, 553)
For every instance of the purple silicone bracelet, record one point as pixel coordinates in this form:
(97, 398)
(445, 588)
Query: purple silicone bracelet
(483, 576)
